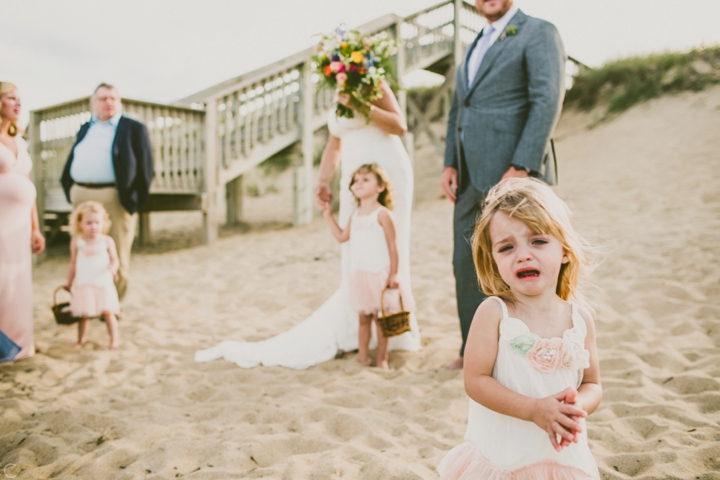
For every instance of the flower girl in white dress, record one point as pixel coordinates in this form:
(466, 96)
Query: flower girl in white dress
(373, 253)
(332, 328)
(531, 366)
(93, 266)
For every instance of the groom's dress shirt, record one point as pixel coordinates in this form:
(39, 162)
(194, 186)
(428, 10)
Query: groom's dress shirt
(93, 162)
(477, 54)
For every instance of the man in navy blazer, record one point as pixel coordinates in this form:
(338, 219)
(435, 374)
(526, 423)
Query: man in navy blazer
(111, 163)
(508, 94)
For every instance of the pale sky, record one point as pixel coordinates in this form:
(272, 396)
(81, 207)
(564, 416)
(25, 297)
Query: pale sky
(163, 50)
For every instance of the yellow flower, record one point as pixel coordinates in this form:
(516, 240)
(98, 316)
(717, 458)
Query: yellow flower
(357, 57)
(343, 45)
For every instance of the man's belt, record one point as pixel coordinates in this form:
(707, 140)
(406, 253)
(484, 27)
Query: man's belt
(96, 185)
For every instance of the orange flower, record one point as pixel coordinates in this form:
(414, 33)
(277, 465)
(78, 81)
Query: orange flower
(327, 70)
(357, 57)
(362, 71)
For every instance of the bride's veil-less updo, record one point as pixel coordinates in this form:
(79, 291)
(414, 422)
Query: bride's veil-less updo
(385, 197)
(6, 87)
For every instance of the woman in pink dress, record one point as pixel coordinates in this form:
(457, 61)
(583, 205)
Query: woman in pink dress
(19, 232)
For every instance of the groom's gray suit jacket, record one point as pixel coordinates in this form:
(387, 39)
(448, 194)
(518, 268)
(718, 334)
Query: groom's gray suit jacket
(507, 115)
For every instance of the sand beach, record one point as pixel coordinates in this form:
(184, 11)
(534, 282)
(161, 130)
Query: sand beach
(645, 188)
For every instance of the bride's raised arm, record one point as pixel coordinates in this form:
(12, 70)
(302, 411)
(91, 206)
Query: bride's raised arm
(384, 112)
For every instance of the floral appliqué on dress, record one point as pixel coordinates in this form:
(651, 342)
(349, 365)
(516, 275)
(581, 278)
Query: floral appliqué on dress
(546, 355)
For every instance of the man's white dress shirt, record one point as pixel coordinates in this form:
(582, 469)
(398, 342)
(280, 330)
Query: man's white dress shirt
(92, 157)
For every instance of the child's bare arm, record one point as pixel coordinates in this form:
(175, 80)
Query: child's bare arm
(549, 413)
(71, 268)
(590, 391)
(339, 234)
(112, 252)
(386, 221)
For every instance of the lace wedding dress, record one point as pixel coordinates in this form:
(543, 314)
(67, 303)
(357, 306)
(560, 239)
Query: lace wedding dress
(334, 325)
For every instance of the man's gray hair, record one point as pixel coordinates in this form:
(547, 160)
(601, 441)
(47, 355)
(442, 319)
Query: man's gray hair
(104, 85)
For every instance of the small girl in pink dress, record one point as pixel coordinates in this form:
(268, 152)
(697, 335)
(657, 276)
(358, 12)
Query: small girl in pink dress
(531, 365)
(93, 266)
(374, 256)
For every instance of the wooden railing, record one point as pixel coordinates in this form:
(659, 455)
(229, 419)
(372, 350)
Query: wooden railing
(254, 116)
(176, 134)
(207, 141)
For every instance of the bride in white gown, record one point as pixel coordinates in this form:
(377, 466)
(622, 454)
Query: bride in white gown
(334, 326)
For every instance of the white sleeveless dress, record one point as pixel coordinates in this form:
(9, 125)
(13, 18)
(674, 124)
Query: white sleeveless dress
(334, 326)
(501, 447)
(370, 267)
(93, 287)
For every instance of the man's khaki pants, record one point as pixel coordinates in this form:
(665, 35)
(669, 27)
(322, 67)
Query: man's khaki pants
(122, 228)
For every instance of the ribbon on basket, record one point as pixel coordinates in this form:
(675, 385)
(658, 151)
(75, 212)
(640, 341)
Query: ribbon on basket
(393, 324)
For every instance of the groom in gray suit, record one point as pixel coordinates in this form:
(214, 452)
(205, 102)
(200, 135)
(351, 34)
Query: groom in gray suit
(508, 94)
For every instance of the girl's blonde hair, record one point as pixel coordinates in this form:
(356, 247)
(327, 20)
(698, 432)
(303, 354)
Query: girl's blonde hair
(536, 205)
(385, 197)
(88, 207)
(6, 87)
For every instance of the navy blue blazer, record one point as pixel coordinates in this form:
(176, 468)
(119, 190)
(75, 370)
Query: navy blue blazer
(132, 161)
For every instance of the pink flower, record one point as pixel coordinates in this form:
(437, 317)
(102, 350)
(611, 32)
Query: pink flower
(341, 78)
(547, 355)
(335, 66)
(353, 67)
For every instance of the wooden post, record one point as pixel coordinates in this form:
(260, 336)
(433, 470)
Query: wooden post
(400, 64)
(145, 235)
(209, 202)
(457, 40)
(447, 101)
(234, 200)
(38, 175)
(303, 174)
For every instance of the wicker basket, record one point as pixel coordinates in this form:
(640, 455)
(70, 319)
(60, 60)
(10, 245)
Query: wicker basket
(393, 324)
(62, 310)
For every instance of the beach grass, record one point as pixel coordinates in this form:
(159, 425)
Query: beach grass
(620, 84)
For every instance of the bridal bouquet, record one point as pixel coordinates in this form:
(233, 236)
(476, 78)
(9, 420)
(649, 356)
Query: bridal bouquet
(355, 65)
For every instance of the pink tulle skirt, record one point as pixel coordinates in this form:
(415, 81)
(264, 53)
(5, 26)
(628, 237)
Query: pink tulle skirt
(93, 300)
(466, 462)
(366, 289)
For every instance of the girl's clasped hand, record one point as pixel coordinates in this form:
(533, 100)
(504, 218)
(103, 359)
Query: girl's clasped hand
(559, 415)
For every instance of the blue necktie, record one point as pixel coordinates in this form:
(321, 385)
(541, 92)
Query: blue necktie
(476, 56)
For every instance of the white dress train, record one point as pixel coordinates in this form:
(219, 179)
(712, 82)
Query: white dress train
(334, 326)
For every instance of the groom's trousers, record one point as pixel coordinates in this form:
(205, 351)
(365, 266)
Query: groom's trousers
(468, 207)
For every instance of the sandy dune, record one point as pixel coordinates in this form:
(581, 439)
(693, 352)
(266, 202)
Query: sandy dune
(645, 187)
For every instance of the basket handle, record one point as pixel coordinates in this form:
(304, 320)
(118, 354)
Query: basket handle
(382, 296)
(61, 287)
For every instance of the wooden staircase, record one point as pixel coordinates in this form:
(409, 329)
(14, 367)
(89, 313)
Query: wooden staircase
(204, 143)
